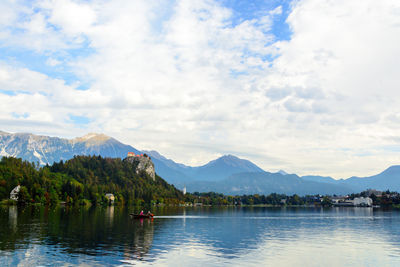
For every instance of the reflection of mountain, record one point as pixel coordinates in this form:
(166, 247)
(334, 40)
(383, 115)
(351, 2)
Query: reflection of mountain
(192, 236)
(231, 233)
(227, 232)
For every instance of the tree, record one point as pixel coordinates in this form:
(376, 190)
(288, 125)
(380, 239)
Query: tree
(326, 201)
(23, 195)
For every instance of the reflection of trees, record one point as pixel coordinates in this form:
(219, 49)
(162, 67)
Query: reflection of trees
(232, 230)
(107, 232)
(110, 235)
(13, 217)
(101, 231)
(142, 239)
(110, 214)
(15, 233)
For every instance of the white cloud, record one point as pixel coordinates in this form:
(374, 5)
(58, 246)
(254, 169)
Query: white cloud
(183, 79)
(53, 62)
(74, 18)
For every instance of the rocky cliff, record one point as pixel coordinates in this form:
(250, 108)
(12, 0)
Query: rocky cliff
(143, 163)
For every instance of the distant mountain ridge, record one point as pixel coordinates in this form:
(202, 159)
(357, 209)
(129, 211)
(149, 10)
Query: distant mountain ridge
(265, 183)
(227, 174)
(320, 179)
(215, 170)
(46, 150)
(388, 179)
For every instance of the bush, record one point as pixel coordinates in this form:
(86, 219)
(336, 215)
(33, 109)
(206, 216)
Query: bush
(8, 202)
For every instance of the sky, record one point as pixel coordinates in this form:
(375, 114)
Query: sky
(307, 86)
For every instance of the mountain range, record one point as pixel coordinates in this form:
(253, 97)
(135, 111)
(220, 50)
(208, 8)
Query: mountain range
(227, 174)
(46, 150)
(215, 170)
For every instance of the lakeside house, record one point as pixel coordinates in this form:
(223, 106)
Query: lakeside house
(14, 193)
(356, 202)
(362, 202)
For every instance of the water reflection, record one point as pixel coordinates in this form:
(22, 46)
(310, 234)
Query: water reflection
(12, 216)
(110, 215)
(200, 236)
(142, 239)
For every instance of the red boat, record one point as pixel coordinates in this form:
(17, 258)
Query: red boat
(141, 216)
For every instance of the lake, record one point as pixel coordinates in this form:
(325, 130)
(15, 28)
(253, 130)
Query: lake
(200, 236)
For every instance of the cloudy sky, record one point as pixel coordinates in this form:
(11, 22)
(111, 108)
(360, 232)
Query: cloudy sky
(309, 86)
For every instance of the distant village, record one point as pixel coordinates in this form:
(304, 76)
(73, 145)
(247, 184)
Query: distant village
(369, 198)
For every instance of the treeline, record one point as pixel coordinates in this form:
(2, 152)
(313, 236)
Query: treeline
(274, 199)
(83, 179)
(385, 199)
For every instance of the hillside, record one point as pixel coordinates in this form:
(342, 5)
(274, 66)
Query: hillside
(84, 178)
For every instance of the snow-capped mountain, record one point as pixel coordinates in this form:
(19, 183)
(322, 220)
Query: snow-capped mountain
(46, 149)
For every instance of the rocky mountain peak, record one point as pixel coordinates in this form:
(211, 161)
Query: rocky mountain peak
(143, 163)
(282, 172)
(92, 139)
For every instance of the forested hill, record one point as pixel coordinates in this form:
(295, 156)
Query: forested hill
(82, 179)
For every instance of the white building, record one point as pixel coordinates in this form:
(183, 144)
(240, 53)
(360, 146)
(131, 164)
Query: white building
(356, 202)
(14, 193)
(362, 201)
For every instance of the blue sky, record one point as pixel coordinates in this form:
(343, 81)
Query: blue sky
(308, 86)
(248, 10)
(39, 60)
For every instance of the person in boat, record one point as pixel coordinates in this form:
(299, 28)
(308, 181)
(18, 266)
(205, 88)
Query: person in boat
(141, 213)
(149, 213)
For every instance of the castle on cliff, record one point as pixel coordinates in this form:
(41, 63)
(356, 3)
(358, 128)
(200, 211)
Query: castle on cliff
(143, 163)
(132, 154)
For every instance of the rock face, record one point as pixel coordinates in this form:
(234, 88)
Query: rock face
(143, 163)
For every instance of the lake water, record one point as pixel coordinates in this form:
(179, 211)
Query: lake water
(202, 236)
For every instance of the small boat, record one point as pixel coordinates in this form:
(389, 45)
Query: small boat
(141, 216)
